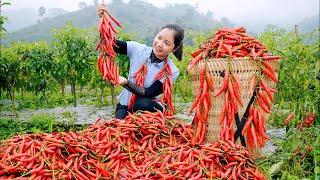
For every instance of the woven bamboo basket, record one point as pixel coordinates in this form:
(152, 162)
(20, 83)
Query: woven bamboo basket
(244, 68)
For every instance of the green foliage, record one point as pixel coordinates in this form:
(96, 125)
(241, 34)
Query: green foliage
(36, 66)
(74, 56)
(25, 67)
(10, 72)
(3, 19)
(297, 157)
(299, 87)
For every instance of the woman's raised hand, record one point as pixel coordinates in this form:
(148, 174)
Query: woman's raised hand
(101, 9)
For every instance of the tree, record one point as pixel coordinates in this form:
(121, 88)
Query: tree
(37, 61)
(72, 56)
(41, 11)
(82, 4)
(9, 70)
(3, 19)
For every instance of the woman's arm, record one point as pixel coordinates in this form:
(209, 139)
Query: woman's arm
(152, 91)
(122, 47)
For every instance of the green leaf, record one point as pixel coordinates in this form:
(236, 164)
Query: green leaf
(317, 170)
(275, 168)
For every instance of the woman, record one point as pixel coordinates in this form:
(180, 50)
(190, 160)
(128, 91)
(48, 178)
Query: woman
(154, 59)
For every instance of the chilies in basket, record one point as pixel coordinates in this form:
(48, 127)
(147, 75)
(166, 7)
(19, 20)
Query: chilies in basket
(229, 44)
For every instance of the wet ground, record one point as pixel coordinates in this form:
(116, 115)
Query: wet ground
(87, 114)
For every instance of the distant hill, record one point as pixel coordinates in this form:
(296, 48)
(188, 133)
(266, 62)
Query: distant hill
(309, 24)
(136, 16)
(53, 12)
(21, 18)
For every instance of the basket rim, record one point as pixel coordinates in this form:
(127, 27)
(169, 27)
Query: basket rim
(237, 60)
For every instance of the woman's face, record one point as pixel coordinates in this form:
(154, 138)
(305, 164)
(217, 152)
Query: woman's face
(163, 43)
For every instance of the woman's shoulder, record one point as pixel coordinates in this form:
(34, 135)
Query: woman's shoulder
(172, 65)
(137, 51)
(136, 45)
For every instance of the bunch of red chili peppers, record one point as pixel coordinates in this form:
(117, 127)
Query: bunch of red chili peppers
(144, 145)
(234, 43)
(106, 63)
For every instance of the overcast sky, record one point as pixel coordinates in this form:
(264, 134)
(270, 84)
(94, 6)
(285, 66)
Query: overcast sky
(266, 11)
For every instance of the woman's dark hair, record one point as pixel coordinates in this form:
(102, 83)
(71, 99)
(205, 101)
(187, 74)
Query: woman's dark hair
(178, 39)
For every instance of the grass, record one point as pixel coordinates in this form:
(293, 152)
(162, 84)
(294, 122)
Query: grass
(35, 124)
(55, 99)
(294, 159)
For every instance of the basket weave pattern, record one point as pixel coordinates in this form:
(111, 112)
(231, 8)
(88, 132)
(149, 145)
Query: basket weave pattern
(244, 69)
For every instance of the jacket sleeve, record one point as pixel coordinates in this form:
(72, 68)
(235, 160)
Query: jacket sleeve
(152, 91)
(120, 47)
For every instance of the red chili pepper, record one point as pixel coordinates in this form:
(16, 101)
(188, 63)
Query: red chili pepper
(225, 84)
(264, 99)
(262, 105)
(270, 75)
(267, 89)
(289, 118)
(197, 52)
(271, 58)
(209, 80)
(268, 66)
(38, 168)
(194, 61)
(248, 123)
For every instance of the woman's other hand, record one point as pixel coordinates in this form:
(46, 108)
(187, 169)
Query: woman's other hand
(122, 80)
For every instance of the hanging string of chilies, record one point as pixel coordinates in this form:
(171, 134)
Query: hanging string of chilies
(106, 63)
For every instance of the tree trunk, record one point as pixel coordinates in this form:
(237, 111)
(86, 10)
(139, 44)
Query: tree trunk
(101, 96)
(22, 97)
(11, 95)
(22, 94)
(44, 95)
(1, 102)
(62, 88)
(73, 90)
(113, 97)
(13, 99)
(14, 102)
(35, 99)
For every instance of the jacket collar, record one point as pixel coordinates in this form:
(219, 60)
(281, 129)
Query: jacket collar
(154, 59)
